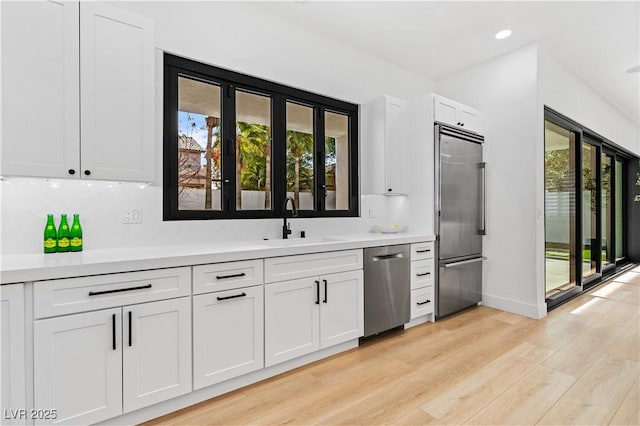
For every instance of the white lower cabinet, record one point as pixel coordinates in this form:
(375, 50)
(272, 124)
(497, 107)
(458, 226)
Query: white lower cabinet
(78, 366)
(96, 365)
(302, 316)
(342, 308)
(228, 334)
(12, 354)
(156, 356)
(291, 319)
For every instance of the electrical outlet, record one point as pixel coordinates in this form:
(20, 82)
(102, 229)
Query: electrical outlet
(132, 215)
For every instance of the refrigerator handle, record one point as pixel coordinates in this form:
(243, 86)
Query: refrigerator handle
(483, 208)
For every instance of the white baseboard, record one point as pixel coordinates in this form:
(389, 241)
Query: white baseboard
(419, 320)
(166, 407)
(514, 306)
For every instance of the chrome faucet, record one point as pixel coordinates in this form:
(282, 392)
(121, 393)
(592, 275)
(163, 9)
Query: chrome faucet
(286, 229)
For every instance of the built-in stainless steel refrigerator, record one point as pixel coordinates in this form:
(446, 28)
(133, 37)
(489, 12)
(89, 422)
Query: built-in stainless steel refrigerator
(460, 218)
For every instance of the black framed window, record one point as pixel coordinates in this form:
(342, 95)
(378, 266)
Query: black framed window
(237, 146)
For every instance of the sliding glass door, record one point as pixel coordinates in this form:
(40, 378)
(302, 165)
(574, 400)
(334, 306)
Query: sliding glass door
(560, 209)
(590, 240)
(620, 252)
(608, 258)
(584, 208)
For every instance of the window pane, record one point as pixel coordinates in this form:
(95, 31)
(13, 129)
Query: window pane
(336, 161)
(560, 211)
(199, 159)
(589, 228)
(606, 210)
(253, 151)
(300, 183)
(619, 213)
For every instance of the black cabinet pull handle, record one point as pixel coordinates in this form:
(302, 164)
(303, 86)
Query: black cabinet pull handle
(129, 328)
(423, 274)
(87, 172)
(98, 293)
(423, 251)
(223, 277)
(325, 291)
(317, 292)
(425, 302)
(113, 331)
(72, 172)
(232, 297)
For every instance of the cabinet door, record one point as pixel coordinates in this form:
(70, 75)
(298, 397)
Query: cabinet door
(342, 308)
(445, 110)
(156, 352)
(12, 352)
(117, 81)
(40, 92)
(78, 366)
(228, 335)
(394, 148)
(470, 119)
(291, 319)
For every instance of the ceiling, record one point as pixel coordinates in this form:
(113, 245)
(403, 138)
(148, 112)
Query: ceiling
(598, 41)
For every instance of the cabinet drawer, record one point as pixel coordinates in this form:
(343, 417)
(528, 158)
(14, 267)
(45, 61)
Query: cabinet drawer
(421, 251)
(421, 273)
(227, 276)
(422, 302)
(66, 296)
(309, 265)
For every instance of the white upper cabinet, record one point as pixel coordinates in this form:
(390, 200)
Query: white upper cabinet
(117, 82)
(40, 89)
(77, 97)
(456, 114)
(384, 147)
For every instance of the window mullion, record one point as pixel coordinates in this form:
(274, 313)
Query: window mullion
(229, 156)
(319, 170)
(279, 154)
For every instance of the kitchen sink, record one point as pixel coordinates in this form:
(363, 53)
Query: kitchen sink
(300, 241)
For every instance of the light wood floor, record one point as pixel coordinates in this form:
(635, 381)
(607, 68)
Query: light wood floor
(579, 365)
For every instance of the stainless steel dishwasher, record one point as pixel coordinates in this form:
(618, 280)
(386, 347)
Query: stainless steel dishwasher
(386, 288)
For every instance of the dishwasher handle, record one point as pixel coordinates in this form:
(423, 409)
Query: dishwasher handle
(387, 257)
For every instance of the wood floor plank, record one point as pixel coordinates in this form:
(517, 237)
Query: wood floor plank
(576, 358)
(527, 400)
(416, 416)
(461, 401)
(629, 411)
(596, 395)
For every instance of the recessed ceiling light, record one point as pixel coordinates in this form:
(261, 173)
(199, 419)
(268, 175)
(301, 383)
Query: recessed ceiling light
(503, 34)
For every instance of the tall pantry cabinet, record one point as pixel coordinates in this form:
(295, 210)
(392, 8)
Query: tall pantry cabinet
(77, 98)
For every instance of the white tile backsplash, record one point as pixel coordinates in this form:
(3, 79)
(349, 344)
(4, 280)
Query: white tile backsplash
(27, 201)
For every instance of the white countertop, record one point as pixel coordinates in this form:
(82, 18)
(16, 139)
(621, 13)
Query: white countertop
(36, 267)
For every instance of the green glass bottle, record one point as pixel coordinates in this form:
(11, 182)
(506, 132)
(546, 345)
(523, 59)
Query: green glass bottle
(50, 235)
(76, 234)
(64, 234)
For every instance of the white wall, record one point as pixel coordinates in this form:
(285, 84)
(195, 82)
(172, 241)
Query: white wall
(570, 96)
(234, 36)
(504, 90)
